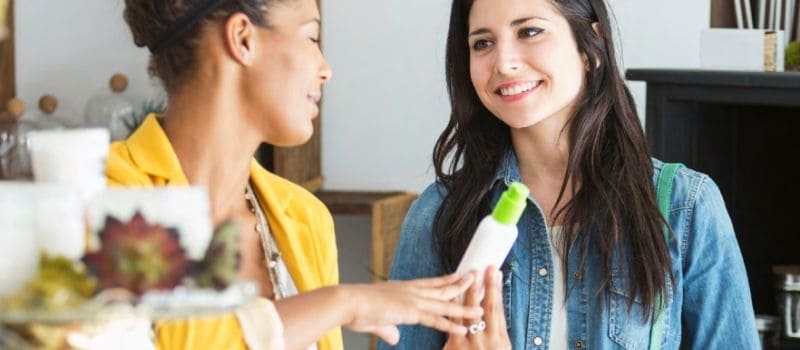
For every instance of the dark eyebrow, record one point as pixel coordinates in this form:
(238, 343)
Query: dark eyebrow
(519, 21)
(514, 23)
(478, 32)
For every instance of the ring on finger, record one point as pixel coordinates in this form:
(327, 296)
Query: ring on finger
(477, 327)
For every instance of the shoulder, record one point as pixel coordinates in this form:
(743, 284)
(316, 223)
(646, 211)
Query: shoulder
(416, 254)
(699, 217)
(690, 187)
(428, 202)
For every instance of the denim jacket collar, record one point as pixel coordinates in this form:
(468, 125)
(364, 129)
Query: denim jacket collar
(508, 171)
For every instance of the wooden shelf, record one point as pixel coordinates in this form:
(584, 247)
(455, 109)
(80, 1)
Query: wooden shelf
(387, 211)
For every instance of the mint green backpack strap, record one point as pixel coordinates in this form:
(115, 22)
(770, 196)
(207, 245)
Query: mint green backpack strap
(664, 197)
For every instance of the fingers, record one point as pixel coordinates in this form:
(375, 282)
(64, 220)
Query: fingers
(442, 324)
(389, 334)
(449, 309)
(435, 282)
(493, 301)
(472, 298)
(447, 291)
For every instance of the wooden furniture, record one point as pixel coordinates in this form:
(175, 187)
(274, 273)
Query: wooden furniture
(301, 165)
(386, 210)
(8, 80)
(740, 128)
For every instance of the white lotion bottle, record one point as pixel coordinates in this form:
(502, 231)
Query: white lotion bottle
(495, 234)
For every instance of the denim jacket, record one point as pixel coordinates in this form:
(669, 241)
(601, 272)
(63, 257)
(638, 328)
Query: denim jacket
(709, 308)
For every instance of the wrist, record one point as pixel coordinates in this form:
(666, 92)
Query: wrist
(344, 297)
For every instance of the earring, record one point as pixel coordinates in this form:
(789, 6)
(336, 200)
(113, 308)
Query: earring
(245, 55)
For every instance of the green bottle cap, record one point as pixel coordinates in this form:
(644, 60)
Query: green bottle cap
(511, 204)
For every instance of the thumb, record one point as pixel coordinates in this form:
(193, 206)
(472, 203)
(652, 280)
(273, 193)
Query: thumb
(389, 334)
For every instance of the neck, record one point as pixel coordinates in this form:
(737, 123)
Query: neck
(542, 149)
(213, 142)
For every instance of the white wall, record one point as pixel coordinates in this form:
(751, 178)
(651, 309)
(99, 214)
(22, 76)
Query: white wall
(659, 34)
(70, 48)
(387, 102)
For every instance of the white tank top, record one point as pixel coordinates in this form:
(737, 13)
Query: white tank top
(558, 326)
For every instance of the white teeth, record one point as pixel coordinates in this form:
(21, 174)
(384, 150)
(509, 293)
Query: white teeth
(518, 89)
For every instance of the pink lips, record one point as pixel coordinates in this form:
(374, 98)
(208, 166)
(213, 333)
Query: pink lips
(315, 97)
(517, 97)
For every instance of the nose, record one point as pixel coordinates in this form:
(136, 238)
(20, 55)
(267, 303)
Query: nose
(508, 59)
(325, 72)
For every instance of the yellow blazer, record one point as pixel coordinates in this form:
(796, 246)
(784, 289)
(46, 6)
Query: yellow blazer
(301, 224)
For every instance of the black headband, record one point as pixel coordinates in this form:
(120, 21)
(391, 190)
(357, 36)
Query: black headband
(184, 24)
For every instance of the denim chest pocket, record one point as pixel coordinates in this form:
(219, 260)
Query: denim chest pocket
(626, 326)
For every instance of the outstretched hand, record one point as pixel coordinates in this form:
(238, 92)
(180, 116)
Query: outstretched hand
(429, 302)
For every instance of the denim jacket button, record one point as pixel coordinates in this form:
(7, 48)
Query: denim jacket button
(543, 272)
(578, 344)
(577, 275)
(538, 341)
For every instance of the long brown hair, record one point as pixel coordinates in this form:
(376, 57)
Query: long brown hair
(608, 162)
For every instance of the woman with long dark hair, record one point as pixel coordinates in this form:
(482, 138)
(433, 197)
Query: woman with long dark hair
(537, 97)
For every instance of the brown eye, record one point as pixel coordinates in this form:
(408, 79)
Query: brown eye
(481, 44)
(529, 32)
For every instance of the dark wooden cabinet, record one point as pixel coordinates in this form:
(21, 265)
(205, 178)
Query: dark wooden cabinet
(743, 129)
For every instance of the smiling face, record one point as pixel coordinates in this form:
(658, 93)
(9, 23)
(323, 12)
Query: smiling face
(524, 63)
(284, 83)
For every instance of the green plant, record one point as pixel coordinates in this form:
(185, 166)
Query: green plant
(148, 107)
(60, 284)
(219, 266)
(793, 56)
(138, 256)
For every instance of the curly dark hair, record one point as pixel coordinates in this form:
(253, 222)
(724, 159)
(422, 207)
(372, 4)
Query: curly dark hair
(150, 19)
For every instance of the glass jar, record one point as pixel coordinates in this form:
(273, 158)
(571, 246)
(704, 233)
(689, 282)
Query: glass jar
(788, 287)
(47, 117)
(15, 159)
(55, 116)
(768, 331)
(111, 109)
(15, 126)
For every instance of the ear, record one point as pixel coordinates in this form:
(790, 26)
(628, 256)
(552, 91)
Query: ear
(240, 38)
(598, 31)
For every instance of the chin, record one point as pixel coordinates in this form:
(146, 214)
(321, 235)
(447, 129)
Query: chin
(521, 122)
(298, 138)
